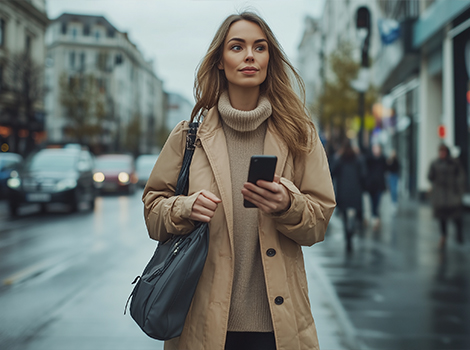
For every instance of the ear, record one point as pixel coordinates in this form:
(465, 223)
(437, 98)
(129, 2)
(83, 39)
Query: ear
(220, 66)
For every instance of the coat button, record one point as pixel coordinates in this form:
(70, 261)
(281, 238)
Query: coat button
(279, 300)
(271, 252)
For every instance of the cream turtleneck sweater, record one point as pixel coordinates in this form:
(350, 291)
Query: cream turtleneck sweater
(245, 132)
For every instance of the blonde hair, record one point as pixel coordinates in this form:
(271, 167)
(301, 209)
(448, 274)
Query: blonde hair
(289, 115)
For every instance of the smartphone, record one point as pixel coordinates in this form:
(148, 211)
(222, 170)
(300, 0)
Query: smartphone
(261, 168)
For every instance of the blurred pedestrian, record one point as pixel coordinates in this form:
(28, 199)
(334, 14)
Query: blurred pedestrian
(375, 181)
(448, 185)
(393, 175)
(252, 292)
(348, 172)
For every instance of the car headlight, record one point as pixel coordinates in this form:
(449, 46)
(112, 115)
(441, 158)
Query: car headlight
(123, 177)
(66, 184)
(98, 177)
(14, 183)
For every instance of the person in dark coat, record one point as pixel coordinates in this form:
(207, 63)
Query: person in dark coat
(375, 181)
(348, 172)
(393, 168)
(448, 185)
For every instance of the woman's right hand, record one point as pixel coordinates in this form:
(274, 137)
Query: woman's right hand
(204, 207)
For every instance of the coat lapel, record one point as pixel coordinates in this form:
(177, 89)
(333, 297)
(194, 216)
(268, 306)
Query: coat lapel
(213, 141)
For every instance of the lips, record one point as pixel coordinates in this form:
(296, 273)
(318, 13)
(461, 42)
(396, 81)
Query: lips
(249, 70)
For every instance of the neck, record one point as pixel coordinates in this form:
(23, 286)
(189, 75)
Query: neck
(243, 99)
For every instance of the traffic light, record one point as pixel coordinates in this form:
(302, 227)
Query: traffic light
(363, 18)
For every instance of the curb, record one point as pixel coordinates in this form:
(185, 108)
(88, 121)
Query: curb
(350, 333)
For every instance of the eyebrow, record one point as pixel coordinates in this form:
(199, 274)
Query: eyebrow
(243, 40)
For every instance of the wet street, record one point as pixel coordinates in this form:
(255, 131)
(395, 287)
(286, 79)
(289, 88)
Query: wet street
(398, 290)
(65, 279)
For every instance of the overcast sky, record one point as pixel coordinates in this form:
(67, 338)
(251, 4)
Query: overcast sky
(177, 33)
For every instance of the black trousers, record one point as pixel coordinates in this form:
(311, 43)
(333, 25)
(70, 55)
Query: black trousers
(250, 341)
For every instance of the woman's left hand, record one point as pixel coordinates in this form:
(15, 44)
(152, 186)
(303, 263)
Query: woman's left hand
(270, 197)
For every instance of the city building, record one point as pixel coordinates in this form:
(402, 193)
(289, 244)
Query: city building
(420, 63)
(179, 108)
(88, 59)
(22, 55)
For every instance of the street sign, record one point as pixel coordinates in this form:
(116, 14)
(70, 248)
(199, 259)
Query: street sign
(441, 131)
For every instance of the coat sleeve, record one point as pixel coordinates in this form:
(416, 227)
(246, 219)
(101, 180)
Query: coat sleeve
(312, 199)
(164, 213)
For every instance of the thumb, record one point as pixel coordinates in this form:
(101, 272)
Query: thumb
(277, 179)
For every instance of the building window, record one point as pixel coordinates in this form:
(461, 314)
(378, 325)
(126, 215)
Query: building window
(28, 44)
(86, 30)
(72, 59)
(110, 33)
(74, 33)
(2, 32)
(63, 28)
(82, 60)
(97, 35)
(1, 77)
(118, 59)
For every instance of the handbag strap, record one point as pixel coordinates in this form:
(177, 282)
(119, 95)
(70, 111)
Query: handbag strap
(183, 177)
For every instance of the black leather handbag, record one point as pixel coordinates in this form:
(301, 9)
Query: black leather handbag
(162, 296)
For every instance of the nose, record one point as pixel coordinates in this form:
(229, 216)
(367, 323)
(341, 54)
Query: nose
(249, 55)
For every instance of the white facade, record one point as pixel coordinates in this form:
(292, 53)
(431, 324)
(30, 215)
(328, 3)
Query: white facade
(179, 108)
(91, 45)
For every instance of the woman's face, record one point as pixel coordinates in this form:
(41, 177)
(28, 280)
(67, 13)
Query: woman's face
(245, 57)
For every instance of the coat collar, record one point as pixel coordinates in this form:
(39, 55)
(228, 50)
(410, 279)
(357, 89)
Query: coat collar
(214, 143)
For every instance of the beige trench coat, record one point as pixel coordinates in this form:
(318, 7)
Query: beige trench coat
(305, 223)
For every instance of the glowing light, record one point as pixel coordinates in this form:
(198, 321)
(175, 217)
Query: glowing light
(123, 177)
(98, 177)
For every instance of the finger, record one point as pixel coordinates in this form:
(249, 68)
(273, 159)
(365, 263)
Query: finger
(199, 209)
(200, 217)
(277, 179)
(205, 202)
(209, 195)
(259, 200)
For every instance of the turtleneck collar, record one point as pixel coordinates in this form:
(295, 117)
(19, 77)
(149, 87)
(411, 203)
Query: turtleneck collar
(243, 121)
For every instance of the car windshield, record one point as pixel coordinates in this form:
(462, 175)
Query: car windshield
(52, 162)
(112, 164)
(146, 164)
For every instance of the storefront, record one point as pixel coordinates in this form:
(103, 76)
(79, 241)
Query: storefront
(461, 53)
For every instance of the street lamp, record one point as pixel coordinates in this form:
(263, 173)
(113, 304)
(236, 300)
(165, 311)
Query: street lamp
(363, 27)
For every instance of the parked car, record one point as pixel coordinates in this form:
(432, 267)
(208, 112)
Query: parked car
(60, 174)
(8, 163)
(144, 165)
(115, 173)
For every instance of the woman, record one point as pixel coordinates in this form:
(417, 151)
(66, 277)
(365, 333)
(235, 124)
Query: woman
(375, 182)
(253, 290)
(448, 185)
(349, 172)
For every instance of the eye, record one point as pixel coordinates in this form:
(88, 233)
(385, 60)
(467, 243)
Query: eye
(260, 48)
(236, 48)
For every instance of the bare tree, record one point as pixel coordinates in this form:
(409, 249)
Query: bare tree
(24, 86)
(84, 106)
